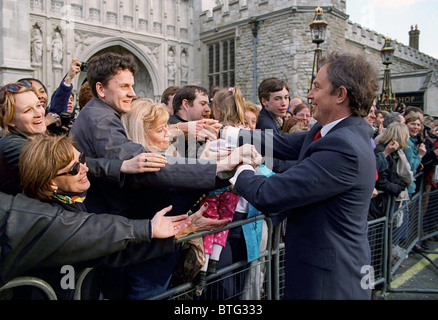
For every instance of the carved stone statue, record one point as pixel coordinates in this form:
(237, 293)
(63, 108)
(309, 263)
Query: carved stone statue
(184, 66)
(171, 65)
(57, 51)
(36, 47)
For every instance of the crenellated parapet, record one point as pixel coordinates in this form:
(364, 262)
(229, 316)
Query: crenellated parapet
(372, 40)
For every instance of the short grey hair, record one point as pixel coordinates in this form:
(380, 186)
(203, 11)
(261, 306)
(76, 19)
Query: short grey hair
(392, 117)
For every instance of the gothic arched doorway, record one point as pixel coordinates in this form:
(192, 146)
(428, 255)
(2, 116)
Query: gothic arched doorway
(144, 86)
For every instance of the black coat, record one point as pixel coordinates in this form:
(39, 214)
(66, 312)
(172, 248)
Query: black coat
(388, 184)
(40, 235)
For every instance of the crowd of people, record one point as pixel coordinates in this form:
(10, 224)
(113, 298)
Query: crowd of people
(113, 182)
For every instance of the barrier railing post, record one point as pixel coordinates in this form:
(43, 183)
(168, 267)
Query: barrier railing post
(276, 263)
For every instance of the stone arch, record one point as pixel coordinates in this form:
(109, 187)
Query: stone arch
(147, 82)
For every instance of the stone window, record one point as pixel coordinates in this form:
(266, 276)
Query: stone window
(221, 63)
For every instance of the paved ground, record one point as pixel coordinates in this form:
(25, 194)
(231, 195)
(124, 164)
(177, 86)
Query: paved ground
(416, 272)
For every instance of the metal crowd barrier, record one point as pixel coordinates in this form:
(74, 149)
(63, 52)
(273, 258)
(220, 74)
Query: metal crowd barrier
(242, 280)
(419, 222)
(391, 238)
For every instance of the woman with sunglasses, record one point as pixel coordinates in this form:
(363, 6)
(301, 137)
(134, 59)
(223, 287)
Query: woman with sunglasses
(22, 118)
(53, 171)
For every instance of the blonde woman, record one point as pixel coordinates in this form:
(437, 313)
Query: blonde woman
(251, 114)
(146, 124)
(391, 179)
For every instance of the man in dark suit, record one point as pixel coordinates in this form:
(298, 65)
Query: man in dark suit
(326, 195)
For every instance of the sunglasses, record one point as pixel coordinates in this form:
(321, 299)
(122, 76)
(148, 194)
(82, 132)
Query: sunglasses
(14, 87)
(75, 168)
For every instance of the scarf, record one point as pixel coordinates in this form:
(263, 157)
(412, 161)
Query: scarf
(75, 200)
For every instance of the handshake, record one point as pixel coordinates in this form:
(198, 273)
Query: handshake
(228, 159)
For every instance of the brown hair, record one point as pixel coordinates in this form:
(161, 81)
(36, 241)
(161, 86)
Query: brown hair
(300, 107)
(251, 106)
(413, 116)
(187, 92)
(357, 75)
(103, 67)
(40, 161)
(7, 105)
(292, 125)
(168, 92)
(270, 85)
(230, 102)
(85, 94)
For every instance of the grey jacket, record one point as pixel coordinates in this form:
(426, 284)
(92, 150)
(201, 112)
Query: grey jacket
(99, 133)
(36, 234)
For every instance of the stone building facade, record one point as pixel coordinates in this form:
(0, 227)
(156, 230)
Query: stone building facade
(41, 37)
(222, 42)
(284, 48)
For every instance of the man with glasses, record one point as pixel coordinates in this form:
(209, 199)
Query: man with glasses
(302, 112)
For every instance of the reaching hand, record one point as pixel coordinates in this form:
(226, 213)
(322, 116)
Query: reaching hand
(52, 118)
(246, 154)
(165, 227)
(208, 154)
(75, 68)
(144, 162)
(201, 223)
(200, 130)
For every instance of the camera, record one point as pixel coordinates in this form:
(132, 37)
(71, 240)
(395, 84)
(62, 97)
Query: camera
(65, 118)
(84, 66)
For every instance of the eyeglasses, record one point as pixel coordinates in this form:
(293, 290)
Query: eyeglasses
(14, 87)
(75, 168)
(302, 115)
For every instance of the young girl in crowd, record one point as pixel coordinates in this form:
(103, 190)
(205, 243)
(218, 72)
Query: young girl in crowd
(228, 108)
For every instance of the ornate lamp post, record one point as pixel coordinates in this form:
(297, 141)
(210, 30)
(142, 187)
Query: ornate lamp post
(318, 29)
(386, 99)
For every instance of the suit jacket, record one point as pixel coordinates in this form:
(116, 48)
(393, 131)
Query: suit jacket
(99, 132)
(266, 121)
(326, 196)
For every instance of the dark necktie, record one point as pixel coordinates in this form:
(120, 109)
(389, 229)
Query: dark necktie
(318, 135)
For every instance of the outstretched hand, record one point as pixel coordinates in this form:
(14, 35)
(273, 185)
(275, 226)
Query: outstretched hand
(165, 227)
(201, 223)
(246, 154)
(144, 162)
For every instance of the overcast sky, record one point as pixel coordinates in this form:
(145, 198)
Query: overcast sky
(393, 18)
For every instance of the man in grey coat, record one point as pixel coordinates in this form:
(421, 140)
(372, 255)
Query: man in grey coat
(99, 133)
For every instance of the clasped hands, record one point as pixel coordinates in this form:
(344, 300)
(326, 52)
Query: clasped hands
(182, 225)
(231, 159)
